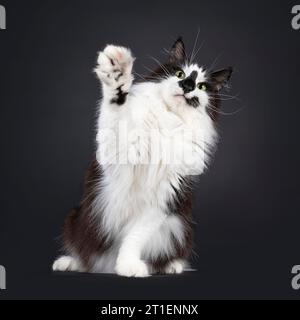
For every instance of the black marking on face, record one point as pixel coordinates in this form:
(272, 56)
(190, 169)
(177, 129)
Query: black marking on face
(193, 75)
(193, 102)
(189, 84)
(120, 97)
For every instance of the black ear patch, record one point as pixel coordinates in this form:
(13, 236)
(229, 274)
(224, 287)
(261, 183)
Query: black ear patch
(177, 52)
(219, 78)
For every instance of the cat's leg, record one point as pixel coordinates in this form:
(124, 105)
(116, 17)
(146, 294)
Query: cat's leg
(114, 70)
(175, 266)
(129, 262)
(66, 263)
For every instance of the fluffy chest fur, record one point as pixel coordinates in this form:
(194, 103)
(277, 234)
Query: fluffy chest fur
(145, 149)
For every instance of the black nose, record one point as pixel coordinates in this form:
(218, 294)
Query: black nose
(189, 83)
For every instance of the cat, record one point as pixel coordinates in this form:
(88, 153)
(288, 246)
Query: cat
(135, 217)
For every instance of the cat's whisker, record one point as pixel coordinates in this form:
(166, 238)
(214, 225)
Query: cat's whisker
(153, 75)
(156, 78)
(215, 61)
(225, 99)
(194, 47)
(166, 51)
(198, 50)
(139, 75)
(150, 70)
(209, 106)
(161, 65)
(219, 96)
(226, 95)
(159, 76)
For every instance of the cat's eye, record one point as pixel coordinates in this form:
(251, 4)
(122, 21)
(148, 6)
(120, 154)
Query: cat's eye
(180, 74)
(202, 86)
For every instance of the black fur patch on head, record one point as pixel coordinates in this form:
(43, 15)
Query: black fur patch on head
(194, 102)
(193, 76)
(189, 84)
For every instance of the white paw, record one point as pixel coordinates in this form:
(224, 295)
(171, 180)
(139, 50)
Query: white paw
(115, 66)
(176, 266)
(132, 268)
(65, 263)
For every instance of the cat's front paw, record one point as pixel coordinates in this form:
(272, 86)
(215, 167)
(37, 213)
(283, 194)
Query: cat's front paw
(115, 66)
(175, 267)
(132, 268)
(65, 263)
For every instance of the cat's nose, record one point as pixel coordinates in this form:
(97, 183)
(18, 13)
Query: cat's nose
(187, 85)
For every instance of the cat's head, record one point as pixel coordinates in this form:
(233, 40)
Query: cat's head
(186, 84)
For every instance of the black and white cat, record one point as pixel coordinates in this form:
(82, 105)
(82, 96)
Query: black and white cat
(153, 138)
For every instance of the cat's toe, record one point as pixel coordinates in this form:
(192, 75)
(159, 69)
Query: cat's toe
(65, 263)
(119, 57)
(175, 267)
(130, 268)
(115, 66)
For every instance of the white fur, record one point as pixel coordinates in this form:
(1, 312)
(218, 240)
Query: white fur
(65, 263)
(138, 180)
(176, 266)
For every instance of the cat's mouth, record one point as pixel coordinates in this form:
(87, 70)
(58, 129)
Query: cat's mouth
(194, 102)
(181, 96)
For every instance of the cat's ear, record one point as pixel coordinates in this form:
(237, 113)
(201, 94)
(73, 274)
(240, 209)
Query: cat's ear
(220, 78)
(177, 52)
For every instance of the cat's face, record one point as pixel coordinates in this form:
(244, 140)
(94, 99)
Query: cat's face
(187, 85)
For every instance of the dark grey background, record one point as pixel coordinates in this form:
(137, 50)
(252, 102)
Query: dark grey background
(246, 206)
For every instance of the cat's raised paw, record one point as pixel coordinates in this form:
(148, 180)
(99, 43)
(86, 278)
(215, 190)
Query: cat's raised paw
(132, 268)
(65, 263)
(115, 66)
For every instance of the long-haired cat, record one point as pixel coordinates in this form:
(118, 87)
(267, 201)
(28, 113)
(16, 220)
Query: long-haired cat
(154, 137)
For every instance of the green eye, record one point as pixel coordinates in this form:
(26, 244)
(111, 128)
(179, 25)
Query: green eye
(180, 74)
(202, 86)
